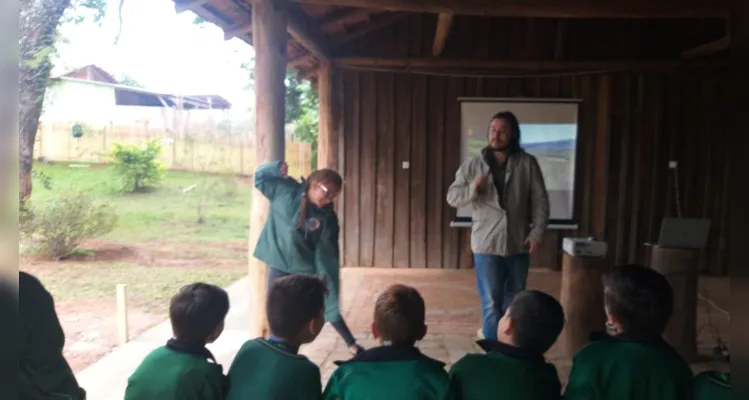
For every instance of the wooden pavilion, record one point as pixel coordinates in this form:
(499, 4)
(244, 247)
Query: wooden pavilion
(654, 78)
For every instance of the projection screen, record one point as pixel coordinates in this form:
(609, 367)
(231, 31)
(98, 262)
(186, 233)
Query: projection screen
(548, 131)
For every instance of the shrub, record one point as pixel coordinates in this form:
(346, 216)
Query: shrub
(138, 166)
(61, 224)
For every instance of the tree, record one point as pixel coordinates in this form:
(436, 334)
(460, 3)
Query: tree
(129, 81)
(39, 21)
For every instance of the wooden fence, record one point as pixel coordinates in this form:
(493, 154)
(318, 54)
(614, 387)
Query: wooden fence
(229, 155)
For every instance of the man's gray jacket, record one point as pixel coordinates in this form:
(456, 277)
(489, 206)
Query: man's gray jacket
(497, 230)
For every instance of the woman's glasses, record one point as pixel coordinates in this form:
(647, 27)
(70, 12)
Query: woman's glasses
(328, 195)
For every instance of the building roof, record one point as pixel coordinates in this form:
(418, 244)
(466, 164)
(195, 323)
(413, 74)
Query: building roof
(322, 27)
(135, 96)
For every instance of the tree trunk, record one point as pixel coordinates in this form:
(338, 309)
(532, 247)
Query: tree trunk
(38, 22)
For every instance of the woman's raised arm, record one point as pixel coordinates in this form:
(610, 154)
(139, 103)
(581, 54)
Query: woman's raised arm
(272, 179)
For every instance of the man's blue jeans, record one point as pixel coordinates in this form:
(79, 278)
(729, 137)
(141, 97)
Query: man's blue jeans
(498, 279)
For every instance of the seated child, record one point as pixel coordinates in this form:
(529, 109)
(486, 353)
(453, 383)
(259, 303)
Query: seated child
(712, 385)
(633, 362)
(185, 368)
(272, 368)
(396, 369)
(514, 366)
(43, 372)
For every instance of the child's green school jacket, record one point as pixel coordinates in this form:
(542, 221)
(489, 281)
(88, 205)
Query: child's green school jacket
(266, 370)
(712, 385)
(42, 369)
(177, 371)
(389, 373)
(507, 370)
(616, 368)
(311, 249)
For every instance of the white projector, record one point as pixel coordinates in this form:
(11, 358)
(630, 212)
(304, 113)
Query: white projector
(586, 247)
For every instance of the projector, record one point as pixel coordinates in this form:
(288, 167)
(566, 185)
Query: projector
(586, 247)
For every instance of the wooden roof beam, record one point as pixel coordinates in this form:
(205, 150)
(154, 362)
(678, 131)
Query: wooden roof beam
(302, 29)
(242, 28)
(621, 9)
(377, 23)
(186, 5)
(444, 23)
(708, 48)
(525, 65)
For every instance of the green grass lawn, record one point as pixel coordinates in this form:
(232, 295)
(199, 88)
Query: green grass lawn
(166, 246)
(166, 213)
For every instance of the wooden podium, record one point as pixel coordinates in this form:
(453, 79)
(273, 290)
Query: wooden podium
(582, 300)
(681, 269)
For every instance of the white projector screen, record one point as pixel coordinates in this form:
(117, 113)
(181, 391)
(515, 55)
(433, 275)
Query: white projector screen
(548, 131)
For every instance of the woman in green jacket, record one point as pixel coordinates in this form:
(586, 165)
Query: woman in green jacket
(300, 235)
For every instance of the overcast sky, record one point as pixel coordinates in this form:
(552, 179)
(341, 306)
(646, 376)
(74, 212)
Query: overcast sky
(161, 50)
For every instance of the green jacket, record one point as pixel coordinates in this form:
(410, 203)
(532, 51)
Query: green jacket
(43, 371)
(263, 370)
(616, 368)
(178, 371)
(389, 373)
(311, 250)
(712, 385)
(515, 373)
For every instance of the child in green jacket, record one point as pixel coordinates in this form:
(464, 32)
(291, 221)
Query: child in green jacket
(185, 369)
(514, 366)
(301, 233)
(43, 371)
(272, 368)
(396, 370)
(632, 362)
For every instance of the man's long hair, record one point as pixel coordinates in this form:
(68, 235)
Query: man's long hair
(508, 116)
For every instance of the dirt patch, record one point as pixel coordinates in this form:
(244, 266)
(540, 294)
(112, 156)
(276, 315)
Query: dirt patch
(91, 329)
(178, 255)
(90, 325)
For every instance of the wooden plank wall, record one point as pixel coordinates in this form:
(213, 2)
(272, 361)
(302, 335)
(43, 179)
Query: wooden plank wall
(631, 125)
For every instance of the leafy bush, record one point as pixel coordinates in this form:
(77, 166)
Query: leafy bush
(138, 166)
(60, 225)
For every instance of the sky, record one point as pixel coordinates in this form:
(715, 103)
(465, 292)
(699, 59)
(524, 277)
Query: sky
(161, 50)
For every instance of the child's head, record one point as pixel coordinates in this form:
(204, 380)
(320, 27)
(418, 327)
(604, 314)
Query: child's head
(638, 301)
(197, 313)
(399, 316)
(533, 322)
(295, 308)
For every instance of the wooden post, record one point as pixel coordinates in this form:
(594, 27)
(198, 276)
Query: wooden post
(327, 140)
(122, 329)
(681, 269)
(582, 300)
(269, 20)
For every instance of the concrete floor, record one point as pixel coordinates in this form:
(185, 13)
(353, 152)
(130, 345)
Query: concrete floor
(453, 315)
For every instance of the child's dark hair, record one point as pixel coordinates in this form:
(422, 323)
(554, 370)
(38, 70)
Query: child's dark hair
(640, 299)
(196, 310)
(399, 314)
(537, 320)
(294, 301)
(321, 175)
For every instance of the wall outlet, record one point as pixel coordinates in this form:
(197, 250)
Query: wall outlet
(673, 164)
(406, 165)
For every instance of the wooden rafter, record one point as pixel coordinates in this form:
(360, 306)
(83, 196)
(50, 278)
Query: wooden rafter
(548, 8)
(444, 23)
(529, 65)
(185, 5)
(338, 17)
(242, 28)
(303, 30)
(708, 48)
(376, 23)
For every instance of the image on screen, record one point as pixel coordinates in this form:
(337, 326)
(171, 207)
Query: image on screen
(548, 131)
